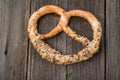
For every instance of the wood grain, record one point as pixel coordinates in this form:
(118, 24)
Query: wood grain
(112, 40)
(13, 39)
(2, 56)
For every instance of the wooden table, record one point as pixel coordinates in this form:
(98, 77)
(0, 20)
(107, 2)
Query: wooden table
(20, 61)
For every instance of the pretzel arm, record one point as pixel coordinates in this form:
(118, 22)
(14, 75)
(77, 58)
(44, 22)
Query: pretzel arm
(53, 32)
(79, 38)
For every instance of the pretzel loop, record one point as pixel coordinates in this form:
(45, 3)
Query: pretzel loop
(92, 21)
(52, 55)
(46, 10)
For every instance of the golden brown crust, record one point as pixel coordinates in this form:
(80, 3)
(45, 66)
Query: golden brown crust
(51, 54)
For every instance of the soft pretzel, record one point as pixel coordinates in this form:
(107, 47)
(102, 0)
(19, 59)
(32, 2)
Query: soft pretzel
(52, 55)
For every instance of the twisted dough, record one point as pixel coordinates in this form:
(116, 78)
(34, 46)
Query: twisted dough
(50, 54)
(46, 10)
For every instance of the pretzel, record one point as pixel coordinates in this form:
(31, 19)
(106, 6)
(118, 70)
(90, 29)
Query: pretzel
(52, 55)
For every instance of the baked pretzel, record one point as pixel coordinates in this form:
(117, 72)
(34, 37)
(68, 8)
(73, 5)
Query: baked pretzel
(52, 55)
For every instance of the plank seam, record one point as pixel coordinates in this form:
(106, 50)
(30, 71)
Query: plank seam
(105, 38)
(27, 61)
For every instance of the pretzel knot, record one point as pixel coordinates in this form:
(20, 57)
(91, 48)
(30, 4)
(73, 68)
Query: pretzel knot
(52, 55)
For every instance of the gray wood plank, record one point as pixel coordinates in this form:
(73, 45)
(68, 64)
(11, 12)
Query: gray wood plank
(2, 56)
(13, 39)
(112, 40)
(93, 69)
(40, 69)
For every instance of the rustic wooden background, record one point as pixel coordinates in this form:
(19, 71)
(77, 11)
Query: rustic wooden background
(20, 61)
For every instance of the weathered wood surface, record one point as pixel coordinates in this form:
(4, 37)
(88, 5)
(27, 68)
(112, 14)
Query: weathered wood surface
(20, 61)
(13, 39)
(113, 40)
